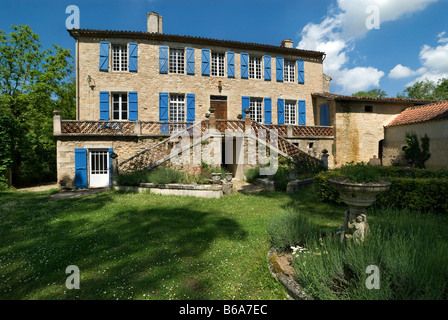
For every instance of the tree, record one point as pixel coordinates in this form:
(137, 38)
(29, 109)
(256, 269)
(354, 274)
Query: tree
(426, 90)
(415, 154)
(33, 82)
(373, 93)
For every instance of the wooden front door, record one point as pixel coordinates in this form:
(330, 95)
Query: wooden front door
(220, 105)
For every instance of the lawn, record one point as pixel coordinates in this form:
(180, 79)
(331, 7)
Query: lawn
(144, 246)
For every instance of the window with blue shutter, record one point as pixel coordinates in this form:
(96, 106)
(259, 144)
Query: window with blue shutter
(191, 112)
(104, 105)
(279, 69)
(267, 110)
(163, 112)
(281, 111)
(163, 59)
(244, 66)
(190, 61)
(133, 106)
(205, 62)
(230, 64)
(245, 104)
(267, 68)
(324, 115)
(81, 168)
(104, 56)
(133, 57)
(302, 112)
(301, 71)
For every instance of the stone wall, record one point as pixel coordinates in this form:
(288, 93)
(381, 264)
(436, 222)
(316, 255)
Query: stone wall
(148, 82)
(437, 132)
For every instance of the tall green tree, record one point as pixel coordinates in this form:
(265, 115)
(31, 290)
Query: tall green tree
(373, 93)
(426, 90)
(33, 82)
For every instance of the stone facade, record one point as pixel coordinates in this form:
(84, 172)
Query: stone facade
(437, 132)
(148, 82)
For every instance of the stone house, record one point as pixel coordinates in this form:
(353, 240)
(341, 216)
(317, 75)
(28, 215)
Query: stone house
(135, 89)
(432, 120)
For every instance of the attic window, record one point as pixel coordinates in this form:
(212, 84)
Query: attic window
(368, 109)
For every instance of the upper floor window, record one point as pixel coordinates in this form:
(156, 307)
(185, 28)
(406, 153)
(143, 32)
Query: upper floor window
(218, 64)
(177, 107)
(119, 58)
(290, 112)
(256, 109)
(254, 67)
(177, 61)
(120, 110)
(289, 71)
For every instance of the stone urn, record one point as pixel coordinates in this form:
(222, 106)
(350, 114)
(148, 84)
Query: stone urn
(358, 197)
(229, 177)
(216, 178)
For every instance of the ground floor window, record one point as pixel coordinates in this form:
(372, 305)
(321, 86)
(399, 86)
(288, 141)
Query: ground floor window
(177, 107)
(120, 110)
(256, 109)
(290, 112)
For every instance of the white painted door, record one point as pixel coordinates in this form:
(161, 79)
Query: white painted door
(99, 168)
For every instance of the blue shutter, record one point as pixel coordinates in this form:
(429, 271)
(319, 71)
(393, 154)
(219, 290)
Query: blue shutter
(279, 69)
(163, 111)
(111, 150)
(324, 115)
(281, 111)
(244, 66)
(301, 71)
(191, 101)
(205, 62)
(133, 57)
(302, 112)
(267, 110)
(267, 68)
(133, 106)
(245, 104)
(230, 64)
(81, 168)
(104, 105)
(104, 56)
(190, 61)
(163, 59)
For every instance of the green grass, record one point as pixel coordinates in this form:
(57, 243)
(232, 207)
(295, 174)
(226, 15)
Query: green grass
(137, 246)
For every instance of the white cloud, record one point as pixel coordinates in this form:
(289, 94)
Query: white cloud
(400, 71)
(359, 78)
(338, 31)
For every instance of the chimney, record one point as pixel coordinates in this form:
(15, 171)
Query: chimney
(287, 43)
(155, 22)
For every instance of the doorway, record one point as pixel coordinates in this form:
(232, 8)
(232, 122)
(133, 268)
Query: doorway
(99, 168)
(220, 105)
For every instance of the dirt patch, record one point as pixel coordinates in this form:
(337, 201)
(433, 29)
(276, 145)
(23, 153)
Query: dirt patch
(285, 262)
(246, 187)
(43, 187)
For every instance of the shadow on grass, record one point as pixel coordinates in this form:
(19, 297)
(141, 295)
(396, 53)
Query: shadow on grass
(122, 251)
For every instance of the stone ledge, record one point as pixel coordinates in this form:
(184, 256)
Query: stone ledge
(294, 290)
(296, 185)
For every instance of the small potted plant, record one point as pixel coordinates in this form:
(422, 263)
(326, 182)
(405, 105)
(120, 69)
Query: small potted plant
(358, 187)
(63, 183)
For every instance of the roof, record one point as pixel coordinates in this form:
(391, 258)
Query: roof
(332, 96)
(76, 33)
(429, 112)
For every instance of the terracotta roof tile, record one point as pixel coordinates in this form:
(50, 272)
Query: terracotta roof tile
(332, 96)
(75, 33)
(429, 112)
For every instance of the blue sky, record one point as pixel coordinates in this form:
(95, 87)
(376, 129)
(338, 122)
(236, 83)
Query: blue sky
(411, 43)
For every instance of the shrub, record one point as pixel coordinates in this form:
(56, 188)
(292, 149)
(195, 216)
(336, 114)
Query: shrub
(422, 190)
(360, 172)
(281, 178)
(413, 153)
(166, 175)
(291, 229)
(252, 174)
(305, 164)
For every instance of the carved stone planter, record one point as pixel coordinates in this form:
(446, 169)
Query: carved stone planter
(358, 197)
